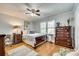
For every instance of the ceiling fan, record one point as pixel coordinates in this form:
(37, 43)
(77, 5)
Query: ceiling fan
(33, 11)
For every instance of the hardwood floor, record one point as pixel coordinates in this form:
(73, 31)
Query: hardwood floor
(46, 49)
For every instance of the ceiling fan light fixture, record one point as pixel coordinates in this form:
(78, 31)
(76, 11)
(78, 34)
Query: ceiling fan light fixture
(32, 14)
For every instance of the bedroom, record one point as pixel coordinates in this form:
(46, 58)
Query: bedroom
(33, 27)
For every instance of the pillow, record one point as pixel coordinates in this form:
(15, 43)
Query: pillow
(77, 49)
(75, 53)
(32, 32)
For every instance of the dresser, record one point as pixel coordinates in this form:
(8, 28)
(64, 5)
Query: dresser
(17, 38)
(2, 45)
(63, 36)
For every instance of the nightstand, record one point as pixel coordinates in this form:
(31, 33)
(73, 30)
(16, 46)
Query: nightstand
(17, 38)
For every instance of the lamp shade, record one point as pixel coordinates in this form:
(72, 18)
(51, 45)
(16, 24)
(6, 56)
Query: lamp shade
(16, 29)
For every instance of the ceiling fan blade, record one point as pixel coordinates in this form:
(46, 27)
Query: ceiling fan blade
(27, 13)
(28, 9)
(38, 10)
(38, 14)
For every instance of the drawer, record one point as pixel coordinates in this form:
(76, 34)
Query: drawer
(2, 53)
(69, 41)
(63, 42)
(69, 44)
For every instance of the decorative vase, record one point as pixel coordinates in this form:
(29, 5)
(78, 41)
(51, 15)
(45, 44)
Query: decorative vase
(68, 21)
(58, 24)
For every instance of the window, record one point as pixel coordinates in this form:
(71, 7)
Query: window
(43, 27)
(51, 27)
(48, 27)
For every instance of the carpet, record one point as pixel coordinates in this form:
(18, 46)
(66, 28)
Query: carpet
(22, 51)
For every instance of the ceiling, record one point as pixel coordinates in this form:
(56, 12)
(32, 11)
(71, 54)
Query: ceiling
(46, 9)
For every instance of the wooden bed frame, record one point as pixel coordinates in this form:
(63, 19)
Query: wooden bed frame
(40, 40)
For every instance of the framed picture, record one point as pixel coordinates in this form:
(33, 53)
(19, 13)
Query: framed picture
(26, 24)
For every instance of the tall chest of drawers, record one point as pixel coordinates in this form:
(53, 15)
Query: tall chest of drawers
(63, 36)
(2, 44)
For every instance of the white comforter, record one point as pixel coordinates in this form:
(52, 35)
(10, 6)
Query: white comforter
(35, 35)
(30, 38)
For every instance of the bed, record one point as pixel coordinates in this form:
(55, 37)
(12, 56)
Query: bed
(35, 39)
